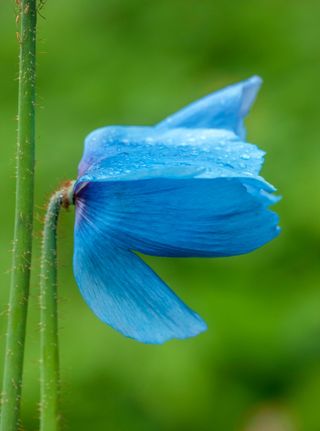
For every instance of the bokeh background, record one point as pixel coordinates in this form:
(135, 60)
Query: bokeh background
(104, 62)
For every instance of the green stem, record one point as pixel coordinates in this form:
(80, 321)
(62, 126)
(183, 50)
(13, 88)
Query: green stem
(49, 363)
(22, 245)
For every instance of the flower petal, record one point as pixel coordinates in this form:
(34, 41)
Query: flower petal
(125, 293)
(224, 109)
(182, 217)
(127, 153)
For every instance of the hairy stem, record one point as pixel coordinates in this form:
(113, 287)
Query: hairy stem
(49, 350)
(22, 245)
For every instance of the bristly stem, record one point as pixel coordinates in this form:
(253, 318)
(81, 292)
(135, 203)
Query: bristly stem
(22, 245)
(49, 350)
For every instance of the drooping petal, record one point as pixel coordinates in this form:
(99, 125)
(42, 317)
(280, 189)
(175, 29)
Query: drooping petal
(129, 153)
(224, 109)
(124, 292)
(183, 217)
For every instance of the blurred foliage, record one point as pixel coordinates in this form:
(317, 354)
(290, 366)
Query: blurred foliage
(105, 62)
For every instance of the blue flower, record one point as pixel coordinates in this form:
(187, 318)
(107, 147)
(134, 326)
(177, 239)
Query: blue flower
(188, 186)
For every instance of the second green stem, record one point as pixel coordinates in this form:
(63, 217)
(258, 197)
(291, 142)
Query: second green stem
(49, 365)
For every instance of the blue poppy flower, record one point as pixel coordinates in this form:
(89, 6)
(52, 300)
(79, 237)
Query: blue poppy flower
(188, 186)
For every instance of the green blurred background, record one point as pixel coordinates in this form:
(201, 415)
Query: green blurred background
(104, 62)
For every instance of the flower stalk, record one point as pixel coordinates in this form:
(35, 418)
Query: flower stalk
(49, 350)
(22, 244)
